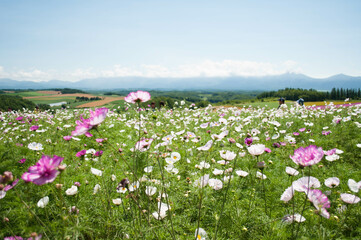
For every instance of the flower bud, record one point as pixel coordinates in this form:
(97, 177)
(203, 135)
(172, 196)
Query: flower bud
(61, 168)
(261, 165)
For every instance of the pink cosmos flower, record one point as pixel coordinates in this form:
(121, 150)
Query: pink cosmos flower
(34, 128)
(98, 154)
(84, 125)
(330, 152)
(67, 138)
(81, 153)
(19, 118)
(13, 184)
(320, 201)
(137, 97)
(45, 170)
(13, 238)
(97, 116)
(267, 150)
(88, 134)
(99, 140)
(326, 133)
(22, 160)
(302, 129)
(144, 144)
(307, 156)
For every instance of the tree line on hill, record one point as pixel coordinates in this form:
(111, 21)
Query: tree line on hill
(312, 94)
(62, 90)
(82, 99)
(8, 102)
(196, 96)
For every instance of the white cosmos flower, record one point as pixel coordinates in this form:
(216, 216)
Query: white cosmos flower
(239, 145)
(353, 185)
(114, 177)
(175, 156)
(301, 185)
(96, 172)
(256, 149)
(169, 167)
(117, 201)
(358, 145)
(241, 173)
(202, 182)
(163, 206)
(150, 191)
(217, 171)
(206, 147)
(160, 215)
(293, 218)
(72, 191)
(216, 184)
(205, 165)
(292, 171)
(338, 151)
(227, 155)
(260, 175)
(202, 234)
(121, 190)
(133, 186)
(148, 169)
(287, 194)
(349, 198)
(332, 182)
(222, 162)
(43, 202)
(96, 189)
(332, 157)
(2, 194)
(35, 146)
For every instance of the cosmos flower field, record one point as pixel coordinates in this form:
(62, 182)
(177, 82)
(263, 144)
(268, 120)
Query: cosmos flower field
(182, 173)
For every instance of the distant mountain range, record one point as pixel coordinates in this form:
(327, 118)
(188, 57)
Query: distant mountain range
(273, 82)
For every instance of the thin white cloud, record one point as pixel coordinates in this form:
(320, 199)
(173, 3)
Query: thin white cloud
(207, 68)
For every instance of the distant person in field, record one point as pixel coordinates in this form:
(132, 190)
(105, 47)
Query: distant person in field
(152, 105)
(281, 101)
(300, 102)
(161, 104)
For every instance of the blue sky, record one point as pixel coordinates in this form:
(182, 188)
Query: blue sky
(72, 40)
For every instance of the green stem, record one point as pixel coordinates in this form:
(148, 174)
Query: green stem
(225, 196)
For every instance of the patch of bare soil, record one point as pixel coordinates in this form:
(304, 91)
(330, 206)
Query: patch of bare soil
(100, 102)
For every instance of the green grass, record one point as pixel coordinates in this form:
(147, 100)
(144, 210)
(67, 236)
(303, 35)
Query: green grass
(115, 104)
(28, 94)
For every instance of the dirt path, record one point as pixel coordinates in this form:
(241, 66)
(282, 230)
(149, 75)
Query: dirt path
(100, 102)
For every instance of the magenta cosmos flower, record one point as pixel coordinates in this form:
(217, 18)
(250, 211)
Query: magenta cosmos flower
(84, 125)
(45, 170)
(34, 128)
(307, 156)
(138, 96)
